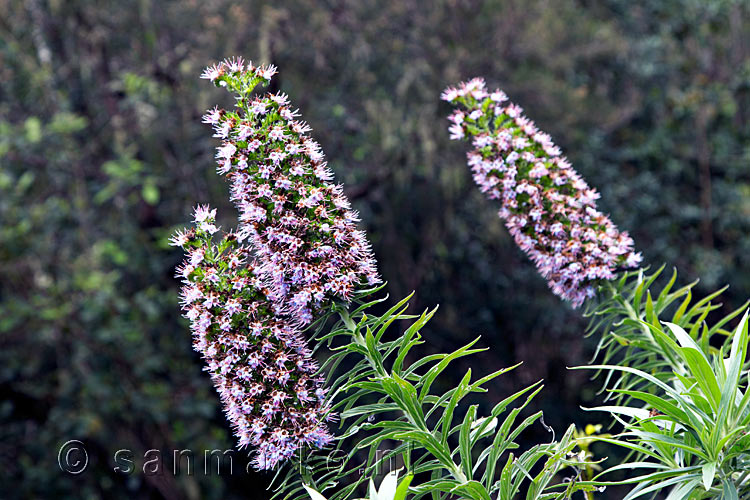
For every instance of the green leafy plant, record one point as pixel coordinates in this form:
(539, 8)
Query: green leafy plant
(448, 447)
(684, 403)
(628, 309)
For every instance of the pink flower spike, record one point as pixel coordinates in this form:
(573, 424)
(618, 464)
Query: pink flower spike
(548, 208)
(290, 209)
(212, 72)
(259, 363)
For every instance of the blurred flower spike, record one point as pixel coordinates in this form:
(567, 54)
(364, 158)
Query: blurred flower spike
(548, 208)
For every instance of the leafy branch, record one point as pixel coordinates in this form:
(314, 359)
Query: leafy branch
(626, 314)
(682, 399)
(448, 449)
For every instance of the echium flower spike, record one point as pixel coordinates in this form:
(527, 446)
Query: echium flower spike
(548, 208)
(300, 224)
(259, 364)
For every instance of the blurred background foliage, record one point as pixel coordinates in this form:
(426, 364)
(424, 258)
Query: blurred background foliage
(102, 155)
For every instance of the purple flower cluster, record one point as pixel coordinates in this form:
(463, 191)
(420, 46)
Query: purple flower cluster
(300, 224)
(260, 364)
(548, 208)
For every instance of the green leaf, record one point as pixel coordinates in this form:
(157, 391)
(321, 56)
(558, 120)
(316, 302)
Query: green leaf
(681, 310)
(472, 489)
(660, 404)
(709, 472)
(432, 374)
(729, 490)
(403, 487)
(428, 441)
(698, 364)
(464, 440)
(703, 374)
(683, 491)
(482, 427)
(689, 479)
(447, 417)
